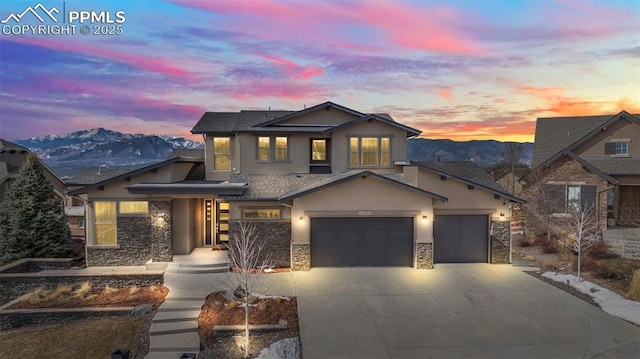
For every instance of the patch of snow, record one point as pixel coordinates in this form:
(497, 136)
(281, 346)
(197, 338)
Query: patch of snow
(264, 296)
(609, 301)
(269, 270)
(288, 348)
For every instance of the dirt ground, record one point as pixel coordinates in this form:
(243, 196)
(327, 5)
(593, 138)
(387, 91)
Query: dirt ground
(218, 310)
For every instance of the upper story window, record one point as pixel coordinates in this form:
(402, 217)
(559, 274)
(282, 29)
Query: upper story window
(319, 150)
(616, 148)
(133, 207)
(369, 151)
(221, 154)
(272, 148)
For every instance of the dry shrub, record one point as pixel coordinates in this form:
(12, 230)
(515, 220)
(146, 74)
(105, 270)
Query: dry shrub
(527, 241)
(599, 250)
(232, 304)
(109, 290)
(262, 305)
(133, 291)
(634, 287)
(589, 264)
(83, 290)
(549, 266)
(60, 292)
(549, 245)
(37, 295)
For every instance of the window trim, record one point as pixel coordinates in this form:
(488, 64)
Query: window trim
(214, 154)
(272, 154)
(379, 153)
(271, 208)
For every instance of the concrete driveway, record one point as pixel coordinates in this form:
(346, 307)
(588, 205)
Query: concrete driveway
(453, 311)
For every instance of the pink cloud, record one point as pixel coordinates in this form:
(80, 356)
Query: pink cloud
(445, 93)
(143, 62)
(294, 70)
(404, 25)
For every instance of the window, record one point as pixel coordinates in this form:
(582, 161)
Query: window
(81, 223)
(616, 148)
(263, 148)
(105, 215)
(261, 213)
(319, 150)
(221, 154)
(566, 198)
(369, 151)
(274, 148)
(133, 207)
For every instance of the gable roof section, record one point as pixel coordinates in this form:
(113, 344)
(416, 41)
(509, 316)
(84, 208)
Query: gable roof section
(468, 173)
(269, 121)
(272, 187)
(10, 146)
(397, 180)
(616, 166)
(410, 131)
(555, 134)
(324, 105)
(586, 164)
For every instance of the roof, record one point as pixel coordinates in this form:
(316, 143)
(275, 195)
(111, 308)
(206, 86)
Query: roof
(558, 133)
(188, 187)
(396, 179)
(274, 186)
(572, 155)
(270, 121)
(10, 146)
(468, 173)
(616, 166)
(197, 153)
(95, 175)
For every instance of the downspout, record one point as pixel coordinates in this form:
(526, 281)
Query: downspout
(237, 140)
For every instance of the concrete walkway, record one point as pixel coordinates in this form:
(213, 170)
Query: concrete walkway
(174, 329)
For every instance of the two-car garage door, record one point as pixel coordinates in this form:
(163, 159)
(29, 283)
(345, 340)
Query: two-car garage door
(361, 241)
(388, 241)
(460, 239)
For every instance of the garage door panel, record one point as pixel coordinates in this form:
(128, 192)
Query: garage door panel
(460, 239)
(370, 241)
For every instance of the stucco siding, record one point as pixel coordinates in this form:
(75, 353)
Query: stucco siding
(183, 225)
(621, 130)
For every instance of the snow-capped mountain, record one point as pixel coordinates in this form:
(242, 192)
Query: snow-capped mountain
(99, 146)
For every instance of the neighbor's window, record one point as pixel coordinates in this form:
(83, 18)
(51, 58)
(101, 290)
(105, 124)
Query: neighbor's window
(369, 151)
(616, 148)
(221, 154)
(261, 213)
(105, 225)
(133, 207)
(81, 223)
(566, 198)
(272, 148)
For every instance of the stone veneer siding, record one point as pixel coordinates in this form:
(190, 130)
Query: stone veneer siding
(500, 242)
(161, 231)
(133, 246)
(424, 255)
(301, 257)
(563, 170)
(276, 237)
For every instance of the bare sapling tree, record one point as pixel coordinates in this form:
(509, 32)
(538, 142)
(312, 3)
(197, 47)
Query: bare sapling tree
(511, 154)
(247, 264)
(580, 229)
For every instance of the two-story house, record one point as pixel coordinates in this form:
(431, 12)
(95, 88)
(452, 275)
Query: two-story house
(585, 162)
(325, 186)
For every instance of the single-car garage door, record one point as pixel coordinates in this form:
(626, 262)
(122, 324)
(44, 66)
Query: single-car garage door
(460, 239)
(361, 241)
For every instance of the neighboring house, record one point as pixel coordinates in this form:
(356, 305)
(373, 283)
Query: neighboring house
(586, 161)
(325, 186)
(12, 157)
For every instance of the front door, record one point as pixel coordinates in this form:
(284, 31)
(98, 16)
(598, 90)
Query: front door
(222, 220)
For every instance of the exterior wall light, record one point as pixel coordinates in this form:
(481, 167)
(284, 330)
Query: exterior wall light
(300, 218)
(424, 216)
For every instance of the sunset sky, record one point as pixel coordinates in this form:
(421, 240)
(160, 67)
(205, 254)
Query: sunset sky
(456, 69)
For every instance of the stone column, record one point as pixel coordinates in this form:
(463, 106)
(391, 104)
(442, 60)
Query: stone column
(500, 242)
(424, 255)
(161, 231)
(300, 257)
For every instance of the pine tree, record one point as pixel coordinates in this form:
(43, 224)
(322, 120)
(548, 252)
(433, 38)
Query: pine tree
(32, 221)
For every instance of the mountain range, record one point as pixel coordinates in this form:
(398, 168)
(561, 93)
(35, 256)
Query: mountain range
(99, 147)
